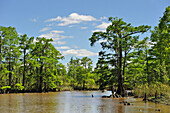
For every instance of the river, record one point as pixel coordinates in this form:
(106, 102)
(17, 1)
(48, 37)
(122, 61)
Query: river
(74, 102)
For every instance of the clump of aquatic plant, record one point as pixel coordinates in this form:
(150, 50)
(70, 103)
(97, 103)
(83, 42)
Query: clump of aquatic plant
(151, 89)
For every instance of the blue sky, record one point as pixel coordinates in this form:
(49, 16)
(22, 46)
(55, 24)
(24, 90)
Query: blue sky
(72, 22)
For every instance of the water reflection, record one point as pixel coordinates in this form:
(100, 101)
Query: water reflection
(72, 102)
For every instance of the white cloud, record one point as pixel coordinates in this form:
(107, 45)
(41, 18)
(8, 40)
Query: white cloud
(55, 31)
(150, 43)
(104, 25)
(102, 18)
(55, 35)
(79, 52)
(99, 30)
(84, 27)
(100, 41)
(73, 18)
(45, 29)
(63, 47)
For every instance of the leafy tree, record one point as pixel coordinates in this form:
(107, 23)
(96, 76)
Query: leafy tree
(25, 43)
(72, 70)
(9, 42)
(116, 36)
(86, 64)
(138, 67)
(161, 49)
(80, 71)
(47, 57)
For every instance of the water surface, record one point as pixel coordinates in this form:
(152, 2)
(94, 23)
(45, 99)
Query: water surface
(74, 102)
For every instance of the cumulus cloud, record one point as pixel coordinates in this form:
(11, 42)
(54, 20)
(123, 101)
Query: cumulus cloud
(45, 29)
(55, 35)
(104, 25)
(79, 52)
(63, 47)
(73, 18)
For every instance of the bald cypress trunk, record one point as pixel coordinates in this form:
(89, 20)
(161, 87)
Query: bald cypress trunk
(23, 82)
(120, 89)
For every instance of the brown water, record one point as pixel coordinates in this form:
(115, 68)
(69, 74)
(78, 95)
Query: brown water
(74, 102)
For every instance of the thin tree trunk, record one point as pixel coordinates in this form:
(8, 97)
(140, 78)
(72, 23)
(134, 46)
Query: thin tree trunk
(124, 59)
(9, 68)
(83, 84)
(23, 82)
(147, 64)
(37, 71)
(40, 85)
(41, 70)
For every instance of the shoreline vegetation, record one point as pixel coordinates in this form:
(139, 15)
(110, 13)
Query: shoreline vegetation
(29, 64)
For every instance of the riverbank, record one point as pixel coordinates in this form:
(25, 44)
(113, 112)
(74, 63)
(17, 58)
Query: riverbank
(164, 99)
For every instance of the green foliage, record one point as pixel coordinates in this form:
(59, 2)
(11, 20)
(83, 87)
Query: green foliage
(80, 73)
(19, 86)
(5, 87)
(151, 89)
(160, 51)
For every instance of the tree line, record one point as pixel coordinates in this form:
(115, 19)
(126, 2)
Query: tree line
(125, 62)
(33, 65)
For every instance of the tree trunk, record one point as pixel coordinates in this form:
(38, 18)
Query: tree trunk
(147, 64)
(120, 89)
(40, 85)
(10, 74)
(9, 68)
(41, 70)
(83, 84)
(23, 82)
(37, 71)
(124, 63)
